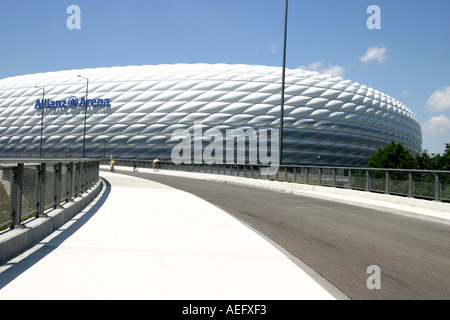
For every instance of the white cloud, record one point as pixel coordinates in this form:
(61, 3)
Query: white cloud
(439, 100)
(436, 132)
(274, 48)
(437, 124)
(333, 70)
(374, 54)
(406, 93)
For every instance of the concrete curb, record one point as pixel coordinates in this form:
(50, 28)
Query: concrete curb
(14, 241)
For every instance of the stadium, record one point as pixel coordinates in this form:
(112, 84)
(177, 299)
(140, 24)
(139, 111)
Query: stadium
(134, 112)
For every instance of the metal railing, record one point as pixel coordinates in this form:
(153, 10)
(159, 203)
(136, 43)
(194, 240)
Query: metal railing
(423, 184)
(30, 187)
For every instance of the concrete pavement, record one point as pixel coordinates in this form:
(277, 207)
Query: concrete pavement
(144, 240)
(338, 240)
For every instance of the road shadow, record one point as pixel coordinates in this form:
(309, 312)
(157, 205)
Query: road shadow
(15, 269)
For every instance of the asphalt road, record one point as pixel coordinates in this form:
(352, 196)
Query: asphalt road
(339, 241)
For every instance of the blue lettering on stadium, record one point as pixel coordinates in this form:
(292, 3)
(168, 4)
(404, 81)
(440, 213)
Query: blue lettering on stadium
(71, 103)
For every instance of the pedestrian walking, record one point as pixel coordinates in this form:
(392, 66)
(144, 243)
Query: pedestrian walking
(156, 165)
(112, 162)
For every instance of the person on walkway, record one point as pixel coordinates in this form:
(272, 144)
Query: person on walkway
(112, 162)
(155, 164)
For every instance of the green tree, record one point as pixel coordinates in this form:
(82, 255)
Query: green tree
(444, 163)
(393, 155)
(435, 161)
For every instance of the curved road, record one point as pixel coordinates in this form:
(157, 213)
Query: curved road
(339, 241)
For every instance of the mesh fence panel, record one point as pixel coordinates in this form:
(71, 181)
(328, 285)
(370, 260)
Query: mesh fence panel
(49, 187)
(29, 192)
(5, 196)
(445, 186)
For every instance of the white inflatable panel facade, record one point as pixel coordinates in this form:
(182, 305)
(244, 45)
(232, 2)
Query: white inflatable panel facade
(133, 111)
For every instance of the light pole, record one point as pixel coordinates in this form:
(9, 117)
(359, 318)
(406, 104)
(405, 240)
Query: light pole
(85, 114)
(282, 88)
(104, 148)
(42, 116)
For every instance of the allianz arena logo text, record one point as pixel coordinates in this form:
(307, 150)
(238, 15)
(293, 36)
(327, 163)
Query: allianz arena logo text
(71, 103)
(213, 146)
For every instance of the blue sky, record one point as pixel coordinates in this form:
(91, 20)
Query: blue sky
(408, 58)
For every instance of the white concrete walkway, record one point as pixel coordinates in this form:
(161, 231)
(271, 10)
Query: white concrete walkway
(149, 241)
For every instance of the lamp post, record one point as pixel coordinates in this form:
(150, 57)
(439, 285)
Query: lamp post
(104, 148)
(42, 116)
(282, 88)
(85, 114)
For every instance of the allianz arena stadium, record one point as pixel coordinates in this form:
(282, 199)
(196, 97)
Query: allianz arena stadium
(132, 112)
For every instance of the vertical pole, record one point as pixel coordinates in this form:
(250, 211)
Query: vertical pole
(42, 121)
(367, 180)
(88, 175)
(17, 211)
(280, 162)
(350, 179)
(85, 177)
(388, 183)
(42, 117)
(334, 177)
(437, 187)
(85, 119)
(70, 181)
(77, 179)
(85, 114)
(410, 184)
(58, 185)
(42, 176)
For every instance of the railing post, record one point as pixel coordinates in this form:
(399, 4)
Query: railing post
(97, 171)
(58, 187)
(437, 187)
(350, 179)
(42, 177)
(91, 173)
(388, 183)
(70, 181)
(410, 185)
(77, 173)
(80, 178)
(334, 177)
(85, 177)
(306, 175)
(18, 190)
(367, 180)
(319, 179)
